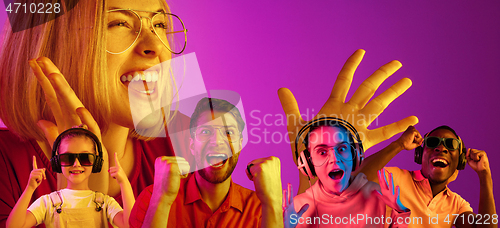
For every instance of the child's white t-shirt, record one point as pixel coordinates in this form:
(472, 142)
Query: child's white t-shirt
(43, 208)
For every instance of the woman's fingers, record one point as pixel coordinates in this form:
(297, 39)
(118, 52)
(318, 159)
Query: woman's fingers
(68, 101)
(290, 106)
(366, 90)
(48, 90)
(383, 182)
(50, 131)
(61, 99)
(63, 92)
(47, 66)
(344, 79)
(380, 103)
(375, 136)
(284, 200)
(87, 118)
(292, 112)
(289, 196)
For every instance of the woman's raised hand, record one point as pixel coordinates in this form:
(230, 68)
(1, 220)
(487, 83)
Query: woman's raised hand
(61, 100)
(358, 111)
(67, 109)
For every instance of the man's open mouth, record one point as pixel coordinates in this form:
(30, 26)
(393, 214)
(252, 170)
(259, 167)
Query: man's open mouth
(216, 160)
(439, 162)
(336, 174)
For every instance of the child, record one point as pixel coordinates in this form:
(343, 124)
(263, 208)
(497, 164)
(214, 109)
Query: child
(338, 198)
(76, 154)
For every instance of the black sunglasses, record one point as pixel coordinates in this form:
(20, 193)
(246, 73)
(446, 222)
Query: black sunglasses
(448, 143)
(85, 159)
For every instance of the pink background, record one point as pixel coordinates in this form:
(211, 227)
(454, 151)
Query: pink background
(449, 51)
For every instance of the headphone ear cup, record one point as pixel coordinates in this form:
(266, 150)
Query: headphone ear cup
(56, 166)
(462, 160)
(360, 155)
(304, 164)
(96, 168)
(418, 154)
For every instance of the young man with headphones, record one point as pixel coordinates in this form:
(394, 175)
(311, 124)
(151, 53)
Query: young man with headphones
(441, 153)
(333, 152)
(76, 153)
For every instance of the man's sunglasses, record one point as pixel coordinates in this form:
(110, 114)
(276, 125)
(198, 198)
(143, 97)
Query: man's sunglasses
(448, 143)
(85, 159)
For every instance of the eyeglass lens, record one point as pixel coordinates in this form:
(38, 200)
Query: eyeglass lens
(85, 159)
(449, 143)
(321, 154)
(124, 28)
(204, 134)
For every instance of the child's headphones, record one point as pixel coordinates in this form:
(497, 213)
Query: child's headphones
(462, 160)
(304, 163)
(56, 164)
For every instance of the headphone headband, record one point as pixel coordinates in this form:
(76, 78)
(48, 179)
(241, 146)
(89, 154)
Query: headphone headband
(335, 120)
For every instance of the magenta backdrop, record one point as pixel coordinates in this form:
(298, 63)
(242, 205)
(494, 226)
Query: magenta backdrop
(449, 50)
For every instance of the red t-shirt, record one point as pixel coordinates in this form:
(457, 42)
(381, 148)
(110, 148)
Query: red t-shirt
(241, 208)
(16, 164)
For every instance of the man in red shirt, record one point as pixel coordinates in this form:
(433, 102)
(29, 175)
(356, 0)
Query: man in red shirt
(208, 197)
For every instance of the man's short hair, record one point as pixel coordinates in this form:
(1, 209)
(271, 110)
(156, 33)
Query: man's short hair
(212, 105)
(445, 128)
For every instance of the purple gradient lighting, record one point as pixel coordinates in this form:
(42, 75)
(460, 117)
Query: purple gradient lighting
(448, 49)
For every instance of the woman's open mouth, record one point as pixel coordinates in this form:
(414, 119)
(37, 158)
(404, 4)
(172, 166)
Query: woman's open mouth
(336, 174)
(141, 81)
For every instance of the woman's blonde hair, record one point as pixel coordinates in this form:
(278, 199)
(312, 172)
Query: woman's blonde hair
(75, 42)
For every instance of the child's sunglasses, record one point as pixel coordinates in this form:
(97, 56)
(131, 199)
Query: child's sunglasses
(448, 143)
(85, 159)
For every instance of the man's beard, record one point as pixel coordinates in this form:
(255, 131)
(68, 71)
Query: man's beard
(219, 176)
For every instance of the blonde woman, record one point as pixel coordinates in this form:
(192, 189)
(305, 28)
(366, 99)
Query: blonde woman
(87, 51)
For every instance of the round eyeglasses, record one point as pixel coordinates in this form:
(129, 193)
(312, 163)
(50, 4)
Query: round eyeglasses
(322, 154)
(125, 25)
(230, 134)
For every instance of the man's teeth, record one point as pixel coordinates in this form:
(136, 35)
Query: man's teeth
(217, 165)
(147, 76)
(439, 162)
(216, 160)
